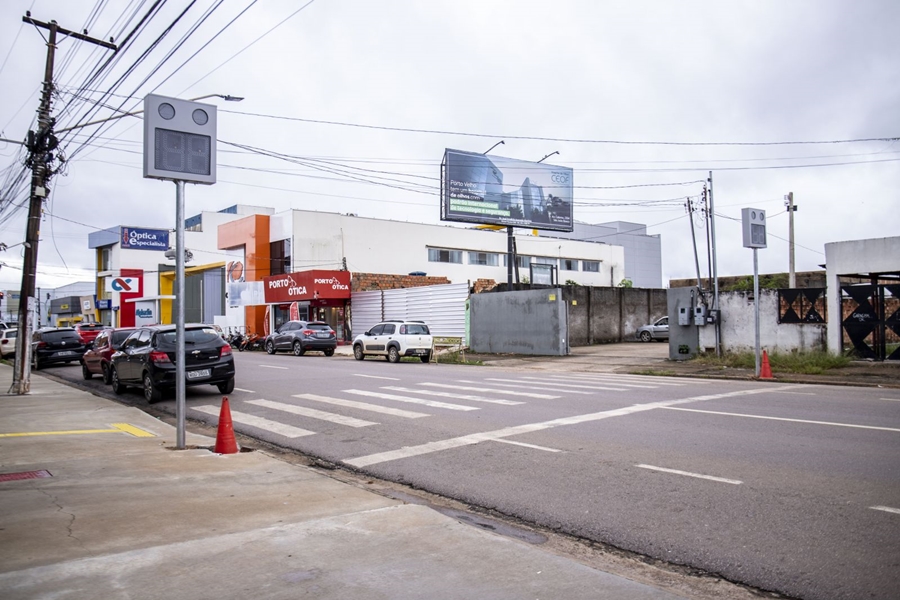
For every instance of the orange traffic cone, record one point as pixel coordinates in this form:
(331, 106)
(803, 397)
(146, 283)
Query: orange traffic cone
(225, 442)
(765, 371)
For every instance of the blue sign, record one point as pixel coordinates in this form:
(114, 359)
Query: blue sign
(104, 304)
(144, 239)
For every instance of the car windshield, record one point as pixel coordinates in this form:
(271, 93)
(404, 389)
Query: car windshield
(11, 333)
(90, 327)
(417, 329)
(60, 336)
(197, 335)
(321, 326)
(119, 336)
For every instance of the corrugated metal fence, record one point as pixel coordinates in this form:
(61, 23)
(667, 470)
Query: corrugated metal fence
(442, 307)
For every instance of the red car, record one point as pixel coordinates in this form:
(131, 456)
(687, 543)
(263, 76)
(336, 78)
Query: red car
(89, 331)
(96, 360)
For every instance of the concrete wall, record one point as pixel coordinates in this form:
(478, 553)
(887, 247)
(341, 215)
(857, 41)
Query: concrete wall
(519, 322)
(602, 315)
(738, 326)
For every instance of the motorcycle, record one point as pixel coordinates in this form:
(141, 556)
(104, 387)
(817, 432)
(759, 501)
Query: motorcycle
(235, 340)
(251, 342)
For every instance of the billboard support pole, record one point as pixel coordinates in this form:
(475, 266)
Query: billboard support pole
(510, 256)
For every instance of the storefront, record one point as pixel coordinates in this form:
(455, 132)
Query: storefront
(309, 296)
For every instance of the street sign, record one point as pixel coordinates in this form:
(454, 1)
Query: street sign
(179, 140)
(753, 226)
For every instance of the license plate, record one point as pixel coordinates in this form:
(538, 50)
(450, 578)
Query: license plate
(198, 374)
(65, 353)
(323, 335)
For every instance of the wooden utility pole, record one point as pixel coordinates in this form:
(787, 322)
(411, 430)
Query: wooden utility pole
(40, 145)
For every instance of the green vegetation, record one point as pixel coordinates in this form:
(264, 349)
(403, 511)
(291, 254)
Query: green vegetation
(626, 283)
(766, 282)
(807, 363)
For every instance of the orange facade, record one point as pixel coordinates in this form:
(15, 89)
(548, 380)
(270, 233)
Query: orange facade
(251, 232)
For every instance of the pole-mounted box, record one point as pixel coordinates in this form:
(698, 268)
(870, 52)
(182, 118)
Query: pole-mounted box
(753, 226)
(179, 140)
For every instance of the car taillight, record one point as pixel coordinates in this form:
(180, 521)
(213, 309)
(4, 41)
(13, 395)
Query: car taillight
(42, 344)
(224, 351)
(308, 332)
(159, 357)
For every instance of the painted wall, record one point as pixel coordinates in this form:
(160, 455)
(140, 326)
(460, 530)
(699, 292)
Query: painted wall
(607, 315)
(520, 322)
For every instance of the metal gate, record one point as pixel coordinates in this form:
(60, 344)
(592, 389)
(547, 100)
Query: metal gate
(442, 307)
(872, 320)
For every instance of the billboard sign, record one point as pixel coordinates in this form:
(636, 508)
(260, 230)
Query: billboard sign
(307, 285)
(136, 238)
(476, 188)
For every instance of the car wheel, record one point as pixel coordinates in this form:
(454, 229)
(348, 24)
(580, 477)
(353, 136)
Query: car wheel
(151, 392)
(357, 352)
(106, 377)
(298, 349)
(270, 347)
(393, 354)
(226, 387)
(645, 336)
(85, 372)
(117, 386)
(329, 351)
(425, 358)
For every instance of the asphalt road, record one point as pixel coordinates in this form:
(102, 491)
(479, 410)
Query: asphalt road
(788, 488)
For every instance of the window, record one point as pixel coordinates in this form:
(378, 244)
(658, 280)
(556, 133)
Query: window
(445, 256)
(104, 258)
(487, 259)
(568, 264)
(543, 260)
(389, 329)
(376, 330)
(590, 266)
(522, 261)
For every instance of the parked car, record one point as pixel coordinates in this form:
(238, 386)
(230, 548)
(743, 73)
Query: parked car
(8, 342)
(97, 358)
(657, 331)
(89, 331)
(147, 359)
(55, 345)
(300, 336)
(394, 340)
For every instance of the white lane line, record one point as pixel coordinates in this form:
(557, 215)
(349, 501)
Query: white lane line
(886, 509)
(386, 410)
(288, 431)
(729, 414)
(467, 440)
(451, 395)
(653, 378)
(689, 474)
(540, 387)
(272, 367)
(431, 403)
(376, 377)
(800, 393)
(312, 413)
(237, 389)
(524, 445)
(612, 380)
(556, 386)
(484, 389)
(891, 399)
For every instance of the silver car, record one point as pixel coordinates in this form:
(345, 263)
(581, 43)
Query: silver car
(657, 331)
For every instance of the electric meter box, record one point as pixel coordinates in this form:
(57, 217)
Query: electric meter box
(700, 315)
(684, 315)
(753, 226)
(179, 140)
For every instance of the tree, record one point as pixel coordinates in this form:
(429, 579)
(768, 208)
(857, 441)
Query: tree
(626, 283)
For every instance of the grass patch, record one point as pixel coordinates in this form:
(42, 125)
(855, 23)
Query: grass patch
(654, 372)
(806, 363)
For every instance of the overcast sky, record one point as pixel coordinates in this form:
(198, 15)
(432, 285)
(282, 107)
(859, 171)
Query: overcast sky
(393, 83)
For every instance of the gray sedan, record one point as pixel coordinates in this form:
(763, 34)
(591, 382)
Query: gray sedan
(657, 331)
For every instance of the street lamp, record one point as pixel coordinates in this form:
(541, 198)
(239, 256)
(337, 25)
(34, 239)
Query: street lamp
(226, 97)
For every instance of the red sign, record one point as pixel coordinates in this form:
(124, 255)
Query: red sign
(307, 285)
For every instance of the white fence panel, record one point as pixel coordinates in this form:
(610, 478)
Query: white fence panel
(365, 310)
(442, 307)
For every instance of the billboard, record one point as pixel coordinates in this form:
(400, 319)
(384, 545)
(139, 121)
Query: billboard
(504, 191)
(137, 238)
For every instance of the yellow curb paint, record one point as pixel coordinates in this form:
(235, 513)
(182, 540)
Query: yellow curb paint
(119, 428)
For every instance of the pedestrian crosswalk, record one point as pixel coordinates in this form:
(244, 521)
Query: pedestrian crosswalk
(461, 396)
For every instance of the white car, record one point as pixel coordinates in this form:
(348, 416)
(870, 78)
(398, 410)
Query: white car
(8, 342)
(394, 340)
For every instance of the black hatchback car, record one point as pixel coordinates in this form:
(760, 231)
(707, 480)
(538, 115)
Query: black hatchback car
(147, 359)
(56, 345)
(300, 336)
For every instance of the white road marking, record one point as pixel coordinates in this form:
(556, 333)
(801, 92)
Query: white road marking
(237, 389)
(272, 367)
(312, 413)
(800, 393)
(886, 509)
(540, 387)
(524, 445)
(258, 422)
(892, 399)
(689, 474)
(452, 395)
(612, 381)
(544, 383)
(376, 377)
(467, 440)
(406, 414)
(629, 376)
(616, 380)
(484, 389)
(431, 403)
(728, 414)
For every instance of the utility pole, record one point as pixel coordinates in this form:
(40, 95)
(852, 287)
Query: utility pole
(791, 208)
(40, 146)
(712, 232)
(690, 211)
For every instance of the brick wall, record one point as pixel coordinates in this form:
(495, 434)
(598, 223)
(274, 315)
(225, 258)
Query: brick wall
(364, 282)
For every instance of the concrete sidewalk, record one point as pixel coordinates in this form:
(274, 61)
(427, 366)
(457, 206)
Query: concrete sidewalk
(120, 514)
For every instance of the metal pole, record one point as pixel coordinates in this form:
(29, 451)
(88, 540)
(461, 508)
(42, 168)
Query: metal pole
(179, 315)
(690, 210)
(756, 303)
(792, 275)
(712, 231)
(509, 258)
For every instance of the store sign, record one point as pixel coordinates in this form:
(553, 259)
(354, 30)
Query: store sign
(145, 313)
(104, 304)
(125, 285)
(307, 285)
(134, 238)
